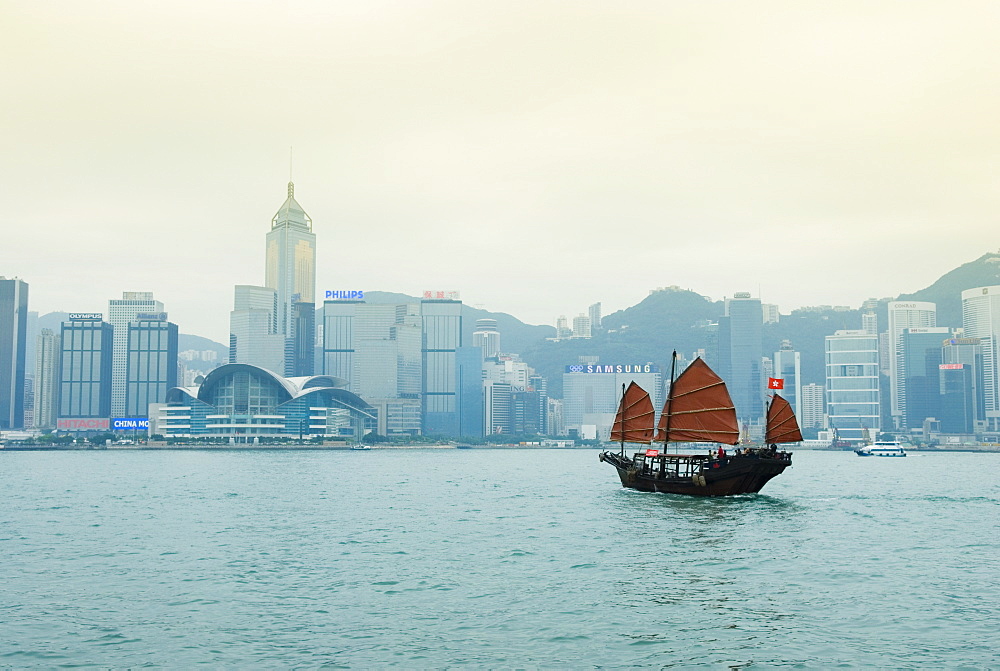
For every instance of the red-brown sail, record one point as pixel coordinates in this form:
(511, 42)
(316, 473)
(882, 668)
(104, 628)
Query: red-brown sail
(634, 421)
(699, 409)
(781, 424)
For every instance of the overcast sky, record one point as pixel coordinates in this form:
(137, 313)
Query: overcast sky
(535, 156)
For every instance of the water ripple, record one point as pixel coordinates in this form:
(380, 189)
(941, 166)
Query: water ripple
(243, 559)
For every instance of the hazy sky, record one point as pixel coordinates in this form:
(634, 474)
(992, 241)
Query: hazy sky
(535, 156)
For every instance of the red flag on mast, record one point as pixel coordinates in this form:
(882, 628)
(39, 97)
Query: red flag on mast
(775, 383)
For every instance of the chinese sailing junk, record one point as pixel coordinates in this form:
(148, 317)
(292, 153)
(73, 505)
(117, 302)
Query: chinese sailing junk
(698, 410)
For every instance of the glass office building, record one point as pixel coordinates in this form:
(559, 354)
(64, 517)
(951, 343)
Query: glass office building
(152, 364)
(852, 385)
(741, 353)
(13, 349)
(85, 370)
(442, 337)
(920, 352)
(981, 320)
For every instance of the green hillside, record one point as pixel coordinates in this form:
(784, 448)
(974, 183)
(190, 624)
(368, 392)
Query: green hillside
(947, 291)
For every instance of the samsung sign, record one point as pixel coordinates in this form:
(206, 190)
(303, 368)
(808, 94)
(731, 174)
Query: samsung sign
(345, 295)
(85, 316)
(613, 368)
(129, 423)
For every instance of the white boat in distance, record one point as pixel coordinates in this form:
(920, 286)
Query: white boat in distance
(881, 448)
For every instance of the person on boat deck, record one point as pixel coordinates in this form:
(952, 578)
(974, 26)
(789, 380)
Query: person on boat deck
(722, 452)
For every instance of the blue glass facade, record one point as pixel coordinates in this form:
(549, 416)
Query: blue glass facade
(152, 365)
(958, 398)
(920, 396)
(442, 336)
(13, 339)
(244, 402)
(86, 358)
(741, 351)
(470, 392)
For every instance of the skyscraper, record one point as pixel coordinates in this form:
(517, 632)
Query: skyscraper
(852, 384)
(981, 319)
(120, 314)
(338, 338)
(442, 337)
(964, 354)
(46, 379)
(85, 373)
(921, 357)
(741, 350)
(594, 312)
(152, 364)
(812, 406)
(503, 377)
(253, 329)
(904, 315)
(13, 334)
(788, 367)
(487, 337)
(291, 272)
(377, 348)
(591, 392)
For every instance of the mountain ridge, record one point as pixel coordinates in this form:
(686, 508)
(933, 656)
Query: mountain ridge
(669, 319)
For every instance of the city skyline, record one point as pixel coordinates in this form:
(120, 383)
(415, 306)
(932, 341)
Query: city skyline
(713, 148)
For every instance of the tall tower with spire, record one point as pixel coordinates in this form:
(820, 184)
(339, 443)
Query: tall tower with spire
(291, 272)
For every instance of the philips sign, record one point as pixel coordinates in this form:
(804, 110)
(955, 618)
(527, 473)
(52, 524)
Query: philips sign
(85, 316)
(613, 368)
(129, 423)
(344, 295)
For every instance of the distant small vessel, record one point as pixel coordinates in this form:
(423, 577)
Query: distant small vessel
(839, 443)
(361, 447)
(881, 448)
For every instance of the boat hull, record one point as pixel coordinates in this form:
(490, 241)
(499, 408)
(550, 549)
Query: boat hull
(725, 477)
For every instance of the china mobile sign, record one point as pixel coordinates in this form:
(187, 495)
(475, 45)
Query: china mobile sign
(129, 423)
(83, 424)
(613, 368)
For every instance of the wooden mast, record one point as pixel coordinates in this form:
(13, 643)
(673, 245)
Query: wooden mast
(670, 396)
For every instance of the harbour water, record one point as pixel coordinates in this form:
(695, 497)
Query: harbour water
(491, 558)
